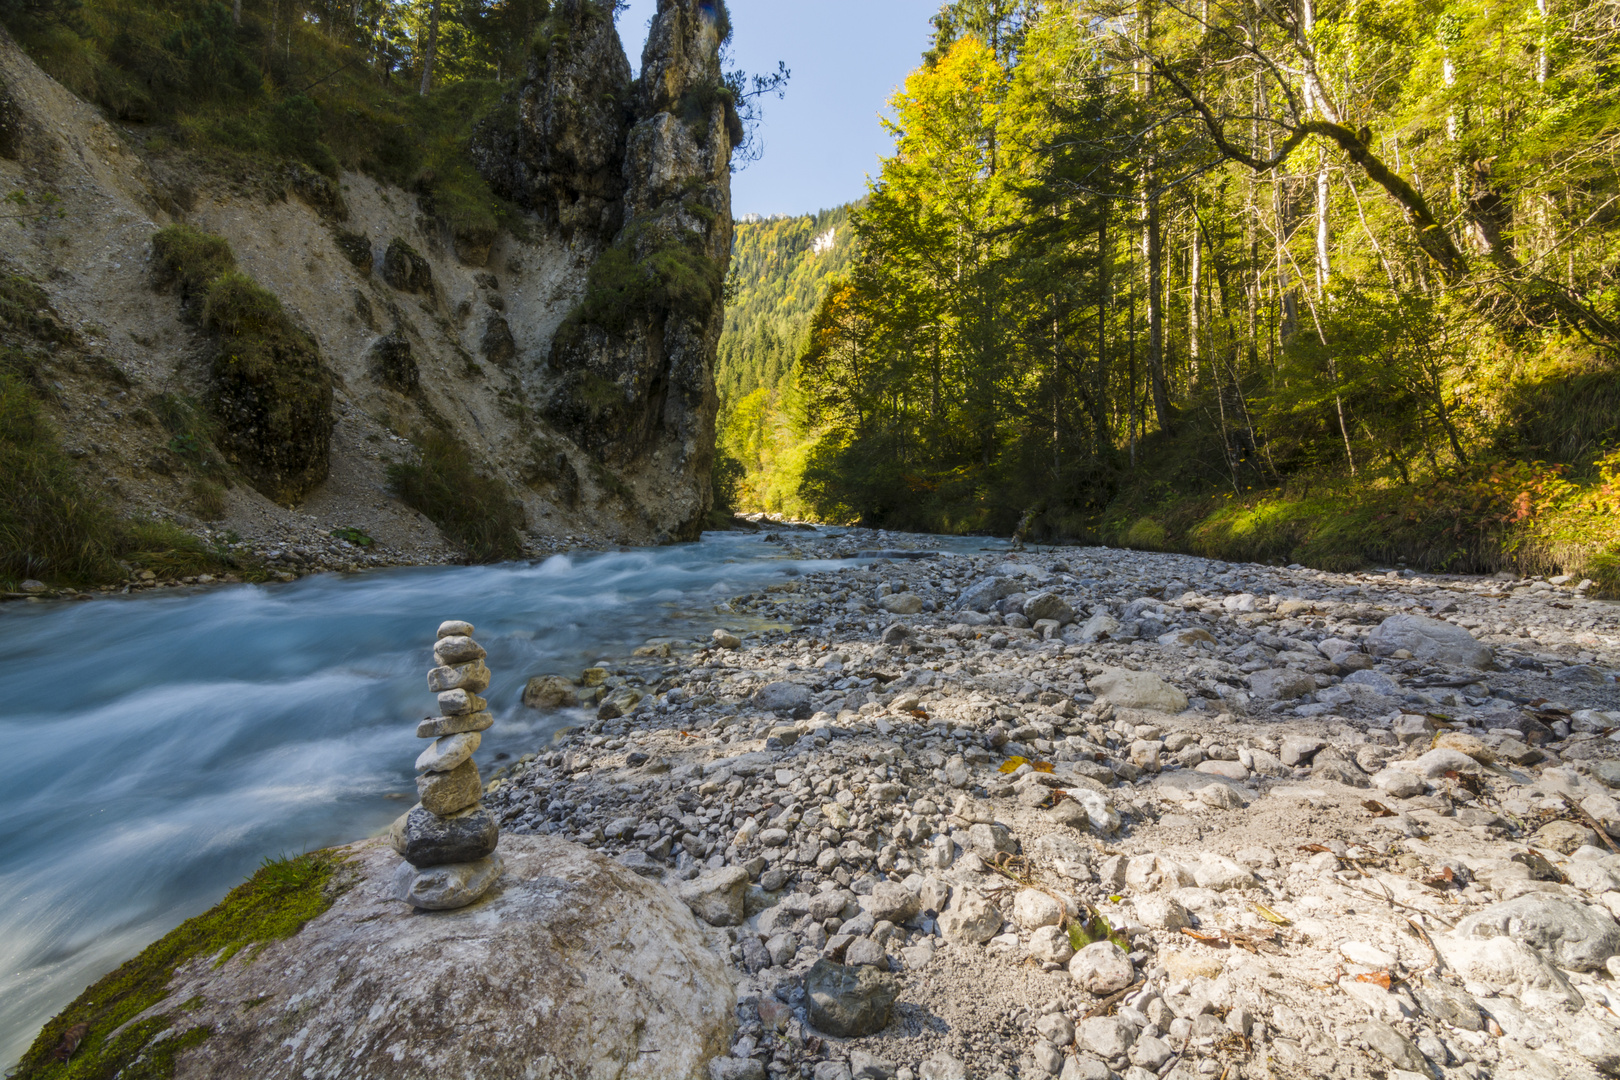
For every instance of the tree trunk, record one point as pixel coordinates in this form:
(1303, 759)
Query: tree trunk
(1323, 235)
(1194, 347)
(430, 53)
(236, 12)
(1153, 257)
(1103, 439)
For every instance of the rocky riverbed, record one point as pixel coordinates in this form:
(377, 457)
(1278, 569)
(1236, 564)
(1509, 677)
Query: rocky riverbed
(1083, 812)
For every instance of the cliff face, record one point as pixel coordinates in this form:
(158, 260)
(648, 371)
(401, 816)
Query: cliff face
(640, 172)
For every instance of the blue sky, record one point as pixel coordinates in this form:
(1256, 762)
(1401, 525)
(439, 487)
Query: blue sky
(847, 57)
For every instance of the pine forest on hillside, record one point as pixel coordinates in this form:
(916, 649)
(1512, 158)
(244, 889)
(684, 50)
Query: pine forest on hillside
(1330, 282)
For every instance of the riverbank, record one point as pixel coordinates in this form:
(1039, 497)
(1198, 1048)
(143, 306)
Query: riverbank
(1307, 860)
(1308, 803)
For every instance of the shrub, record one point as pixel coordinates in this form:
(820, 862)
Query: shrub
(475, 511)
(189, 260)
(643, 275)
(50, 526)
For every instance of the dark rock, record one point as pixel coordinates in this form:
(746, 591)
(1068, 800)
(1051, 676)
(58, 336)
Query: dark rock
(425, 839)
(319, 192)
(1394, 1046)
(405, 270)
(1443, 1002)
(393, 364)
(560, 151)
(272, 392)
(497, 344)
(848, 1002)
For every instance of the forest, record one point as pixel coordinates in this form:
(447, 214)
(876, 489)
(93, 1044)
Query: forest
(1326, 281)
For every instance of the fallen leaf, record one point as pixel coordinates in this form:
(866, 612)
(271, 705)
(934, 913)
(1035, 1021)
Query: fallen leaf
(1215, 939)
(71, 1038)
(1376, 808)
(1012, 764)
(920, 714)
(1271, 916)
(1377, 978)
(1316, 847)
(1440, 878)
(1041, 766)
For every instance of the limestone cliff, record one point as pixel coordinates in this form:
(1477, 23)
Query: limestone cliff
(568, 357)
(641, 172)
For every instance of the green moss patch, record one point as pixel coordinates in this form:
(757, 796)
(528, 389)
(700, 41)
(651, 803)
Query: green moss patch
(273, 904)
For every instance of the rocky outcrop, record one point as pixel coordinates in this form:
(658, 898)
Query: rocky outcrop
(562, 153)
(646, 175)
(570, 966)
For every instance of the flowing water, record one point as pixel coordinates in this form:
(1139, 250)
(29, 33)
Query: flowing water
(155, 748)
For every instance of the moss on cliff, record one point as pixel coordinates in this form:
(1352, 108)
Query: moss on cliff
(273, 904)
(643, 274)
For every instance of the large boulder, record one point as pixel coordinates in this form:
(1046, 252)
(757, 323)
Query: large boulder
(1575, 936)
(782, 697)
(570, 966)
(1429, 640)
(1281, 684)
(1137, 690)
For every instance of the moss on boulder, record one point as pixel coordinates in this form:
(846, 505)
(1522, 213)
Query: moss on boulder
(274, 903)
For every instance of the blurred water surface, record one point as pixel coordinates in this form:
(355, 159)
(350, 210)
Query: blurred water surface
(155, 748)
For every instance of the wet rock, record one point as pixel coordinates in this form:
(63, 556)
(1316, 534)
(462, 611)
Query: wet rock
(447, 886)
(424, 839)
(435, 726)
(447, 752)
(550, 692)
(848, 1002)
(444, 793)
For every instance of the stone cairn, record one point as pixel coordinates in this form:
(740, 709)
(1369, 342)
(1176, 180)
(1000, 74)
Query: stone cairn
(448, 839)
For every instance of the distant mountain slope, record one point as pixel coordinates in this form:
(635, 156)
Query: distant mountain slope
(780, 268)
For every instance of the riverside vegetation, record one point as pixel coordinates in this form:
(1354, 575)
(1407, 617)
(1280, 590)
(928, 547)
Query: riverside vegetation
(1314, 282)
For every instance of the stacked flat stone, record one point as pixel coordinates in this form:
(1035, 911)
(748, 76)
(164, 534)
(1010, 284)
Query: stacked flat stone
(448, 839)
